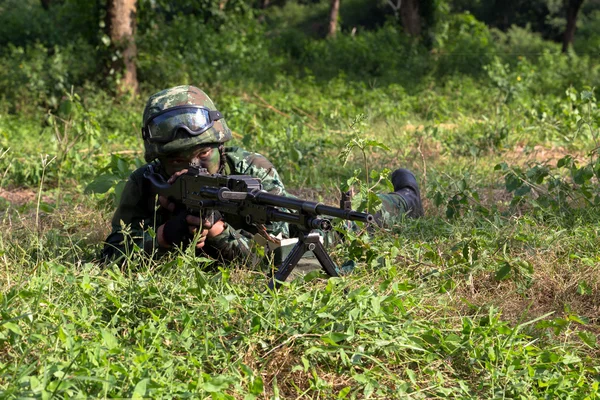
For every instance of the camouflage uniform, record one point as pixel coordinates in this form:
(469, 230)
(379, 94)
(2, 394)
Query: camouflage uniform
(139, 211)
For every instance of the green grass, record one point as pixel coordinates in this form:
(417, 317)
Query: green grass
(494, 294)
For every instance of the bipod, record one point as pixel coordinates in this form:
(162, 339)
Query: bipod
(306, 242)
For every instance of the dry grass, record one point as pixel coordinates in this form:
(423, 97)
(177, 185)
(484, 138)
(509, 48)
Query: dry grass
(554, 289)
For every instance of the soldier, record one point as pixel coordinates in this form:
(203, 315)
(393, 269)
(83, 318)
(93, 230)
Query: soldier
(182, 127)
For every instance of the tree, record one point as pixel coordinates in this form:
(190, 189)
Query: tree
(572, 7)
(334, 12)
(411, 20)
(120, 25)
(414, 14)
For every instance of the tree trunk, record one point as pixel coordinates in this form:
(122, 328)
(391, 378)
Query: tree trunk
(409, 13)
(573, 7)
(265, 3)
(333, 17)
(120, 24)
(46, 4)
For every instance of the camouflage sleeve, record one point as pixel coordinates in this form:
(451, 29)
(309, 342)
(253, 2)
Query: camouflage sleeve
(131, 221)
(230, 245)
(262, 168)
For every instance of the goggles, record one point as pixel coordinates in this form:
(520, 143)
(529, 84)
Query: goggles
(163, 126)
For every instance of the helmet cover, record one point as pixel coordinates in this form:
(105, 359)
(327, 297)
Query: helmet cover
(179, 96)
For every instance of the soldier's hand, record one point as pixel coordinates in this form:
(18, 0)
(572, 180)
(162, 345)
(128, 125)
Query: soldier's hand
(194, 224)
(179, 229)
(176, 175)
(176, 231)
(216, 229)
(166, 204)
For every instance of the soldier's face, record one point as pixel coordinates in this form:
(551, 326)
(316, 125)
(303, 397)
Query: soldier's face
(205, 157)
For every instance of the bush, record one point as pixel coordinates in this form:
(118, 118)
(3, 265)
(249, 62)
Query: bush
(184, 51)
(522, 42)
(25, 22)
(378, 57)
(587, 38)
(462, 45)
(36, 75)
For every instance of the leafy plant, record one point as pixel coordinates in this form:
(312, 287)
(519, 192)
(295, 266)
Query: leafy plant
(110, 180)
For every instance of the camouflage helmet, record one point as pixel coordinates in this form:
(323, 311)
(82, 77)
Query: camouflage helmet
(219, 132)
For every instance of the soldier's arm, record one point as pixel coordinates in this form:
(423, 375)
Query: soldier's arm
(131, 221)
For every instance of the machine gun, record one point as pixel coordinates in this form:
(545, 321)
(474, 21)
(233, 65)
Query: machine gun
(241, 201)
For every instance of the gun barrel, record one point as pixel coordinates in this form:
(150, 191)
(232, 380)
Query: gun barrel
(310, 207)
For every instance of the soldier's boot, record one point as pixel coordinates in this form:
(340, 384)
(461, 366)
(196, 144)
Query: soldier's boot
(405, 185)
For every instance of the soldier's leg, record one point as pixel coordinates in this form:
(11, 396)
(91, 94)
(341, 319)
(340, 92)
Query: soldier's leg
(404, 201)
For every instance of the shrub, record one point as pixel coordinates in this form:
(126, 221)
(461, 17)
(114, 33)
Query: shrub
(462, 45)
(37, 75)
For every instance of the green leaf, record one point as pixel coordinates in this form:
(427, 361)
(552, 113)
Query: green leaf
(45, 207)
(523, 190)
(575, 318)
(295, 155)
(512, 182)
(360, 378)
(570, 359)
(503, 271)
(216, 384)
(109, 339)
(256, 386)
(430, 339)
(101, 184)
(588, 338)
(583, 288)
(342, 394)
(566, 161)
(11, 326)
(65, 109)
(491, 353)
(412, 376)
(105, 40)
(123, 167)
(375, 143)
(586, 95)
(221, 396)
(334, 338)
(139, 392)
(583, 175)
(448, 285)
(376, 304)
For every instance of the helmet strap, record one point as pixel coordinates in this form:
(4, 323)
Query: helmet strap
(222, 160)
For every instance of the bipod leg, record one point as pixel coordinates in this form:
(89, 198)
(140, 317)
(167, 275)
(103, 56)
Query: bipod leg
(309, 242)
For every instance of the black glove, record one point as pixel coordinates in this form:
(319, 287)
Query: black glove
(176, 230)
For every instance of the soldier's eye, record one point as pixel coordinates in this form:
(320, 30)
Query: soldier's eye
(205, 154)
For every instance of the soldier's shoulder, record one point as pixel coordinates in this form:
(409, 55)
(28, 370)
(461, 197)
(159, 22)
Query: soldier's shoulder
(243, 160)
